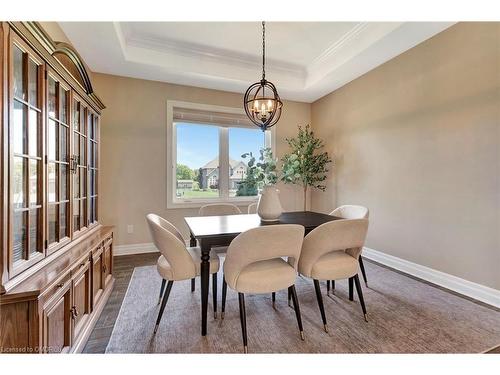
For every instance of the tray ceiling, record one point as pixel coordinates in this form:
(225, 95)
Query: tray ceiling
(306, 60)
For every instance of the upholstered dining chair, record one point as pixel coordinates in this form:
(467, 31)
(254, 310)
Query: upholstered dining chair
(254, 264)
(216, 209)
(219, 209)
(331, 252)
(350, 211)
(252, 208)
(177, 262)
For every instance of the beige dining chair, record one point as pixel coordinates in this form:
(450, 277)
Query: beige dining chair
(331, 252)
(177, 262)
(350, 211)
(219, 209)
(216, 209)
(254, 264)
(252, 208)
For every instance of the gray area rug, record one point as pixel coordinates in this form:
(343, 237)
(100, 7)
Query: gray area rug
(404, 316)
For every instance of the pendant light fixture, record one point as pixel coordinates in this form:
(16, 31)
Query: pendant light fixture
(262, 102)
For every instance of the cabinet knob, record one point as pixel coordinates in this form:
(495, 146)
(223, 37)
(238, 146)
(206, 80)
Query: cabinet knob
(60, 285)
(74, 312)
(103, 268)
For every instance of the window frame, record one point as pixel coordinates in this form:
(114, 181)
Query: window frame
(175, 202)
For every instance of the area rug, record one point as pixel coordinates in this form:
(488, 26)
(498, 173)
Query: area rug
(404, 316)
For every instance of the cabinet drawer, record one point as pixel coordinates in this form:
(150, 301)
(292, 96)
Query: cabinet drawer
(108, 241)
(56, 321)
(97, 276)
(54, 288)
(81, 307)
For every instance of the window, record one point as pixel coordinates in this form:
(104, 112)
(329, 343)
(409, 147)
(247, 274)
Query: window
(26, 147)
(58, 161)
(205, 162)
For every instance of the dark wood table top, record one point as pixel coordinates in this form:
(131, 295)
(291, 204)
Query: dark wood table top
(231, 225)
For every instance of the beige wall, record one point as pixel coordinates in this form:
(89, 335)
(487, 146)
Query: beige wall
(417, 140)
(55, 32)
(134, 148)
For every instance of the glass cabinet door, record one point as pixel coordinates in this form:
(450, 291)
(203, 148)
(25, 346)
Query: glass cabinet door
(79, 166)
(58, 162)
(25, 142)
(93, 126)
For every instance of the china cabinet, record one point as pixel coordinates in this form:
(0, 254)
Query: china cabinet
(56, 259)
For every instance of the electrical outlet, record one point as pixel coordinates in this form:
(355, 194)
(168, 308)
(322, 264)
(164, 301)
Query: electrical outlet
(130, 229)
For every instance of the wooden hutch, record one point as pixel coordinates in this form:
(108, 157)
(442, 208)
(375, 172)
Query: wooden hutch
(56, 259)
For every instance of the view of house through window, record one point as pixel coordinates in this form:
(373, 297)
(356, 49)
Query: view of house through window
(198, 172)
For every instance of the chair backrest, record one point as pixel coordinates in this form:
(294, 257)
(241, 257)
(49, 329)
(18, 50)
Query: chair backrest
(351, 211)
(219, 209)
(252, 208)
(338, 235)
(169, 241)
(262, 243)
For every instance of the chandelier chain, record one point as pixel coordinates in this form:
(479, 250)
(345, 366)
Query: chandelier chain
(263, 50)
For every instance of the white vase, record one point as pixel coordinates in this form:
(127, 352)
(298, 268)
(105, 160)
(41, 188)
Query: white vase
(269, 206)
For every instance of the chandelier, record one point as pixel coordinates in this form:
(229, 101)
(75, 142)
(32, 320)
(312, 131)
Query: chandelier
(262, 102)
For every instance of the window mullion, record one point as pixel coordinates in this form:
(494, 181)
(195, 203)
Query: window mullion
(223, 163)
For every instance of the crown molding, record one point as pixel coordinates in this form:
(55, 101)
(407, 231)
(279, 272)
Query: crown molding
(196, 51)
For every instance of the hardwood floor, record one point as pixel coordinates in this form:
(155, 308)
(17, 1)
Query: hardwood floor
(123, 268)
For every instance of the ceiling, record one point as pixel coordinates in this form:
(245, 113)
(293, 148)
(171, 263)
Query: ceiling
(305, 60)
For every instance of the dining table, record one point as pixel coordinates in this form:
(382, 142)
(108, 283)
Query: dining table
(218, 231)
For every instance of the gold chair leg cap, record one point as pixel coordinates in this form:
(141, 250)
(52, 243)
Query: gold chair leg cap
(325, 327)
(302, 335)
(366, 318)
(245, 349)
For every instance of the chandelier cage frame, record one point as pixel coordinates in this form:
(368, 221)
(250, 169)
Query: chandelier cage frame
(269, 114)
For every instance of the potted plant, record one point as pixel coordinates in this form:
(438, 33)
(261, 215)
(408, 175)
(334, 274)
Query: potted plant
(262, 176)
(305, 165)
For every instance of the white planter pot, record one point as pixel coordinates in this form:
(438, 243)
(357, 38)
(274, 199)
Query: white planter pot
(269, 207)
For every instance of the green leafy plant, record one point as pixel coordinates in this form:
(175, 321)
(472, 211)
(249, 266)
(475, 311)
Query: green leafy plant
(305, 165)
(184, 172)
(259, 172)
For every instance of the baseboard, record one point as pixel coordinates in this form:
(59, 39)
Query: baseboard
(470, 289)
(137, 248)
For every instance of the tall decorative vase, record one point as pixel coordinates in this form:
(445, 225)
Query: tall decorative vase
(269, 206)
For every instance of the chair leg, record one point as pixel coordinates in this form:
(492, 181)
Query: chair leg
(289, 299)
(333, 285)
(360, 296)
(297, 310)
(320, 303)
(214, 293)
(163, 303)
(243, 320)
(224, 292)
(193, 285)
(273, 297)
(327, 287)
(162, 288)
(351, 292)
(362, 267)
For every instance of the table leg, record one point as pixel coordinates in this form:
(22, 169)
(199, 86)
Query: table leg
(204, 275)
(192, 241)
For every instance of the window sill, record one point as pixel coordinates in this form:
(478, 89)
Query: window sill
(197, 203)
